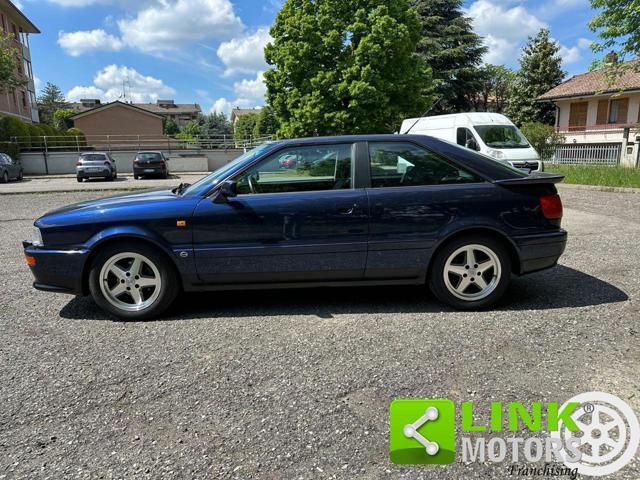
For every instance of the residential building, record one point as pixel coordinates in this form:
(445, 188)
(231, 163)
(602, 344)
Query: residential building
(237, 112)
(117, 119)
(590, 111)
(181, 113)
(20, 103)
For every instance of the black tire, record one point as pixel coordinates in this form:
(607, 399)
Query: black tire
(79, 179)
(5, 177)
(169, 288)
(439, 287)
(135, 177)
(20, 176)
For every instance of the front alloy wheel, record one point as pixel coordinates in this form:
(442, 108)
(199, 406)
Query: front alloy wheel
(133, 282)
(471, 272)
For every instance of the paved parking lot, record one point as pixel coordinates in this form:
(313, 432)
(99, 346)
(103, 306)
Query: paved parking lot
(68, 183)
(297, 384)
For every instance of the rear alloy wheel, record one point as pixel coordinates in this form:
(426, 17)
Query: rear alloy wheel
(133, 282)
(471, 272)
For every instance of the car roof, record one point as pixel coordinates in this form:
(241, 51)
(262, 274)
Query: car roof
(150, 151)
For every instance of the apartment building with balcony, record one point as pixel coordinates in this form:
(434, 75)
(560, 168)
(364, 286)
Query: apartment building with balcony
(21, 102)
(599, 118)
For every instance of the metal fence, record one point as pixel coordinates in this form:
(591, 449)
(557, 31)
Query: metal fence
(588, 154)
(114, 143)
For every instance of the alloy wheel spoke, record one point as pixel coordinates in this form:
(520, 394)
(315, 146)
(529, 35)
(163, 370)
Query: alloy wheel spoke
(136, 265)
(480, 281)
(119, 289)
(471, 257)
(463, 285)
(136, 295)
(119, 273)
(457, 270)
(147, 282)
(486, 265)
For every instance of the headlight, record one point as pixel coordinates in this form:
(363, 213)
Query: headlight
(496, 154)
(36, 237)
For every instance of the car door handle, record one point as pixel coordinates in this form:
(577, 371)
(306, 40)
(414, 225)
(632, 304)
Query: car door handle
(347, 210)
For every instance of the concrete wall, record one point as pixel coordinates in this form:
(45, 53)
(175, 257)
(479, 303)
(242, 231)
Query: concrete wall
(65, 162)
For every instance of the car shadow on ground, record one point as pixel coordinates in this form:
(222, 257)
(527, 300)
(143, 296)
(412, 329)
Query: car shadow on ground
(102, 179)
(560, 287)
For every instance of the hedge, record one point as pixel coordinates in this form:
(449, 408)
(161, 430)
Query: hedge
(31, 135)
(10, 149)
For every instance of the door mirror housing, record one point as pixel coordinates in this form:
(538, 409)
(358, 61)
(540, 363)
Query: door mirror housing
(227, 190)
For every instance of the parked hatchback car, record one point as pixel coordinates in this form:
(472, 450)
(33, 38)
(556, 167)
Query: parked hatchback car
(355, 210)
(96, 165)
(150, 163)
(10, 169)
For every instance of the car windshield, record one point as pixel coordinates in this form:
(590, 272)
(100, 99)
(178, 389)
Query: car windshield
(203, 185)
(501, 136)
(148, 156)
(93, 158)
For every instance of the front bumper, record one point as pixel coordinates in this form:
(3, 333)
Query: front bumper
(58, 271)
(542, 251)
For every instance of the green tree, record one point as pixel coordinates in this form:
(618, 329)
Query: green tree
(453, 50)
(345, 67)
(10, 60)
(494, 81)
(540, 71)
(618, 27)
(543, 138)
(267, 123)
(215, 124)
(50, 100)
(171, 127)
(62, 118)
(245, 126)
(192, 129)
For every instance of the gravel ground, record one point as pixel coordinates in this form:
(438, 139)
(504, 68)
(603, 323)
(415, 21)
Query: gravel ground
(287, 385)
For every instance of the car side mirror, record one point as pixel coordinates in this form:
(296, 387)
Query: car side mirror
(227, 190)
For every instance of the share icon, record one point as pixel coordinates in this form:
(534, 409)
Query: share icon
(410, 430)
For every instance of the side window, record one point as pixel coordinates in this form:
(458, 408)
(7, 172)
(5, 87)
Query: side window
(466, 139)
(300, 169)
(397, 164)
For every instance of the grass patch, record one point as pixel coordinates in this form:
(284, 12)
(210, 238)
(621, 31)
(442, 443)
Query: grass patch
(597, 175)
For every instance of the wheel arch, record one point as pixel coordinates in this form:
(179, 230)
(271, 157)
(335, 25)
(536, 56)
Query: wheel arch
(125, 237)
(514, 253)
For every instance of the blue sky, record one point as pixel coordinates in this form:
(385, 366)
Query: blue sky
(210, 51)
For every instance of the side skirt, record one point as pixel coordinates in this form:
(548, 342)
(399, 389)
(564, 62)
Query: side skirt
(268, 286)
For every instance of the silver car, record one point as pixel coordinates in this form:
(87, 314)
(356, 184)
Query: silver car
(96, 165)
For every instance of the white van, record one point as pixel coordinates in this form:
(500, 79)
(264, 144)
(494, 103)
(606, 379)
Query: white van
(490, 133)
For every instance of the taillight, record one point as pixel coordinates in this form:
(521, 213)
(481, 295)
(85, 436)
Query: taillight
(136, 162)
(79, 163)
(551, 206)
(107, 164)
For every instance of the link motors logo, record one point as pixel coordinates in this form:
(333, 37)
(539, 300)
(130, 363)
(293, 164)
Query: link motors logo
(593, 434)
(608, 433)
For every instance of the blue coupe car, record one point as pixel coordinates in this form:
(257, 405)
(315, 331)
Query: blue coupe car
(335, 211)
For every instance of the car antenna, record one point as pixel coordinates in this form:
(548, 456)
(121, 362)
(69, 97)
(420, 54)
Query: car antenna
(421, 116)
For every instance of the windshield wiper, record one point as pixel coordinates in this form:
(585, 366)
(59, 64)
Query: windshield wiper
(181, 188)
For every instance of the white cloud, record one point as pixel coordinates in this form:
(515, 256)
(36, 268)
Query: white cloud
(110, 82)
(500, 51)
(513, 24)
(248, 93)
(570, 54)
(78, 43)
(79, 92)
(245, 54)
(171, 26)
(584, 43)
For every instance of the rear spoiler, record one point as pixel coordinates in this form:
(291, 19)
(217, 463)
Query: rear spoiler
(535, 178)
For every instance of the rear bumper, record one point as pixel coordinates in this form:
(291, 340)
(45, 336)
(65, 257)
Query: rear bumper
(58, 271)
(150, 170)
(538, 252)
(105, 172)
